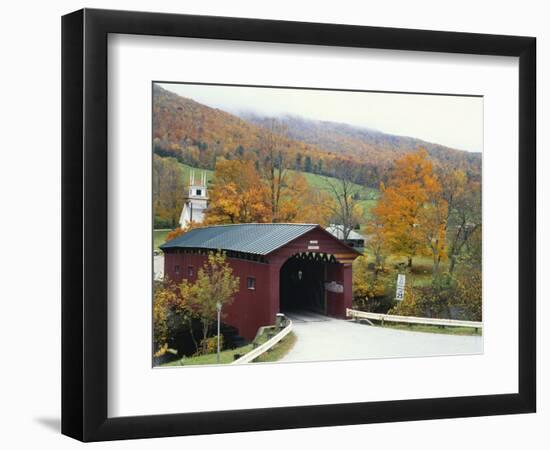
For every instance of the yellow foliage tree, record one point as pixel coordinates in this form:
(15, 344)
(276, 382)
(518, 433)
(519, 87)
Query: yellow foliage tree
(360, 281)
(302, 204)
(237, 194)
(215, 284)
(240, 195)
(409, 211)
(168, 301)
(376, 243)
(433, 226)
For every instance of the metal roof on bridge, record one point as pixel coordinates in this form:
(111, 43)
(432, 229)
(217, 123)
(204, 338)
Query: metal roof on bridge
(254, 238)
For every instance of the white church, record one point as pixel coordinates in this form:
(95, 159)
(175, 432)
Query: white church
(196, 200)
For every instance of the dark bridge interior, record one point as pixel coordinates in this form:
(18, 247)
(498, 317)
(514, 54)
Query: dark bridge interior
(302, 285)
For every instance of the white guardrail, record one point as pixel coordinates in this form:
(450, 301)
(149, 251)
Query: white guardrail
(252, 355)
(353, 313)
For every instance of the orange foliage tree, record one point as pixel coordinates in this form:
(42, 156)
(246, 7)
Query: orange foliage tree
(411, 211)
(237, 194)
(377, 244)
(179, 231)
(302, 204)
(433, 227)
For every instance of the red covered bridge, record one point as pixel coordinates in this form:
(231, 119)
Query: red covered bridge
(281, 267)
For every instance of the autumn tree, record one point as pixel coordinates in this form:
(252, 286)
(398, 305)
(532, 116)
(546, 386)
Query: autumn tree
(215, 284)
(433, 226)
(468, 298)
(412, 183)
(237, 194)
(370, 292)
(346, 210)
(474, 252)
(240, 195)
(360, 284)
(464, 211)
(164, 298)
(301, 203)
(307, 164)
(376, 244)
(274, 164)
(171, 311)
(176, 232)
(298, 161)
(168, 190)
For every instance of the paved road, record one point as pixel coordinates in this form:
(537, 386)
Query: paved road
(322, 338)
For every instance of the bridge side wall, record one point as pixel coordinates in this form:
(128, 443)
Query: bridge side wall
(338, 302)
(251, 308)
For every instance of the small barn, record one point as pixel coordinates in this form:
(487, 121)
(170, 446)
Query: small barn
(354, 239)
(281, 268)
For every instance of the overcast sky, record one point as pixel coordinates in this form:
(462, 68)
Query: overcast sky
(448, 120)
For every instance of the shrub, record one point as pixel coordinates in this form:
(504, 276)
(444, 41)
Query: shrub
(210, 345)
(468, 298)
(162, 223)
(373, 291)
(447, 298)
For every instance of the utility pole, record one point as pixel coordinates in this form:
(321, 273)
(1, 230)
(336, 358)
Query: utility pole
(219, 309)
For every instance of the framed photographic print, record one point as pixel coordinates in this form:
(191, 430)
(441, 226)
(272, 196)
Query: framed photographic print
(273, 224)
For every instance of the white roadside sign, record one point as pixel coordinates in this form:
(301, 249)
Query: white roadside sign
(400, 287)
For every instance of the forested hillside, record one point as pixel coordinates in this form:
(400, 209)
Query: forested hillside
(364, 144)
(197, 135)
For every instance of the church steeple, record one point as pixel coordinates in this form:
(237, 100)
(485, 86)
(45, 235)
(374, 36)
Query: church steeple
(196, 200)
(199, 189)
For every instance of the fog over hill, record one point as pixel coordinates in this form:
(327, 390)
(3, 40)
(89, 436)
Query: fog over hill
(454, 121)
(197, 135)
(360, 142)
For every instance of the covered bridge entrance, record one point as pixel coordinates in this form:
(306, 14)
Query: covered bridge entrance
(308, 280)
(281, 267)
(302, 284)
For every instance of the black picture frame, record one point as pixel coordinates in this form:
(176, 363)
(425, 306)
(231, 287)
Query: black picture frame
(84, 224)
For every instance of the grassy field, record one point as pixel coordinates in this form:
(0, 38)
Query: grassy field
(279, 350)
(186, 170)
(419, 275)
(421, 272)
(367, 196)
(459, 331)
(226, 357)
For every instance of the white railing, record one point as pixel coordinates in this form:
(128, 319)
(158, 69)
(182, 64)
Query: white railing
(252, 355)
(409, 319)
